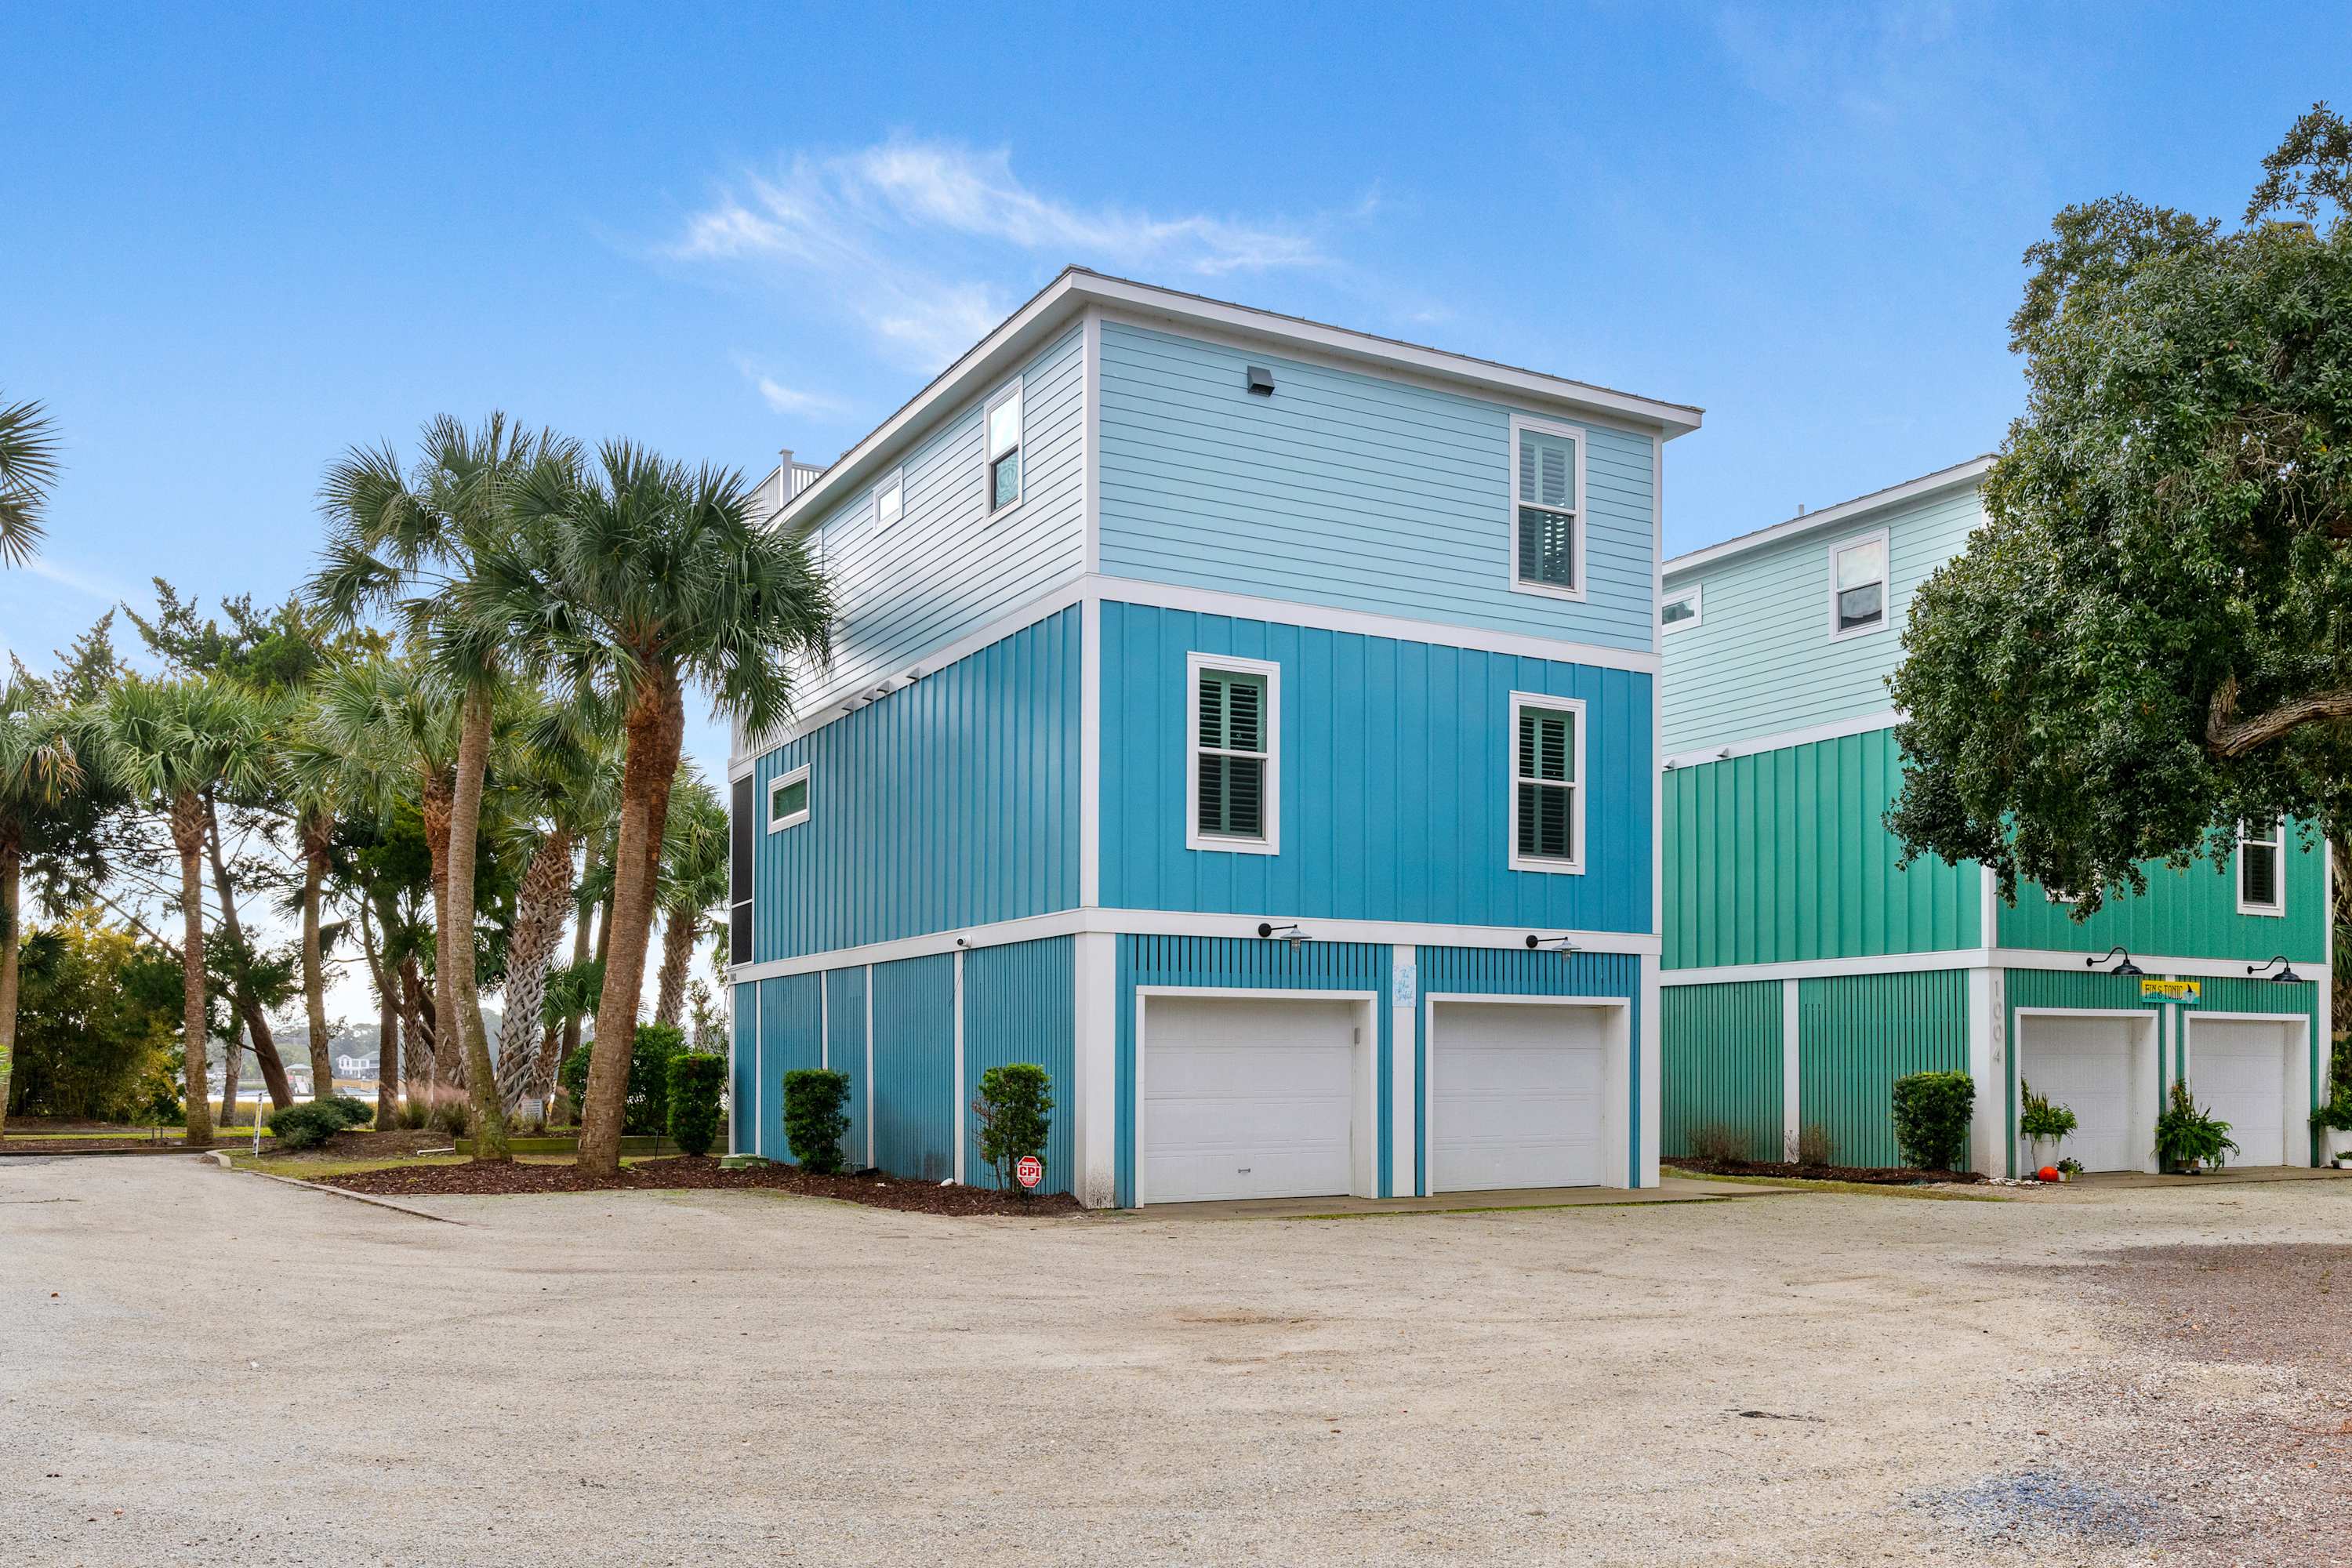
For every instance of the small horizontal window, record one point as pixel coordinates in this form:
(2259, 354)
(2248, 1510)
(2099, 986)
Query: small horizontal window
(1858, 586)
(787, 799)
(1679, 612)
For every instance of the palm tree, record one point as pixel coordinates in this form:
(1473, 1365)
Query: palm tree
(409, 537)
(693, 883)
(321, 780)
(39, 769)
(167, 744)
(638, 577)
(28, 467)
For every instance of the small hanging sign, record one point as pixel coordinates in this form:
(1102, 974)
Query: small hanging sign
(1402, 985)
(2173, 990)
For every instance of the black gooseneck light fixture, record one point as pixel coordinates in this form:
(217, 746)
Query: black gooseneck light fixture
(2285, 975)
(2128, 969)
(1551, 944)
(1290, 933)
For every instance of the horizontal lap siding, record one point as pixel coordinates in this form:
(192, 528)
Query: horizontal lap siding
(950, 803)
(1761, 661)
(1783, 856)
(1349, 491)
(845, 1045)
(1857, 1034)
(1522, 972)
(1247, 964)
(1019, 1006)
(791, 1038)
(913, 1067)
(1395, 778)
(2191, 912)
(945, 568)
(1721, 1064)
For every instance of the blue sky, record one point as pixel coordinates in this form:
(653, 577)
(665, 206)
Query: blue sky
(231, 245)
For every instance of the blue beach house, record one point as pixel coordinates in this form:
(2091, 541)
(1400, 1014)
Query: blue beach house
(1253, 721)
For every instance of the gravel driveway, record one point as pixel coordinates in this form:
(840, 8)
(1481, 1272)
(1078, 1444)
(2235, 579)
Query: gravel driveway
(709, 1378)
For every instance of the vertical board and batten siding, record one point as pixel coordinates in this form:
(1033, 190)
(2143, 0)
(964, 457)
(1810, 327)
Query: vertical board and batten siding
(1249, 963)
(1019, 1005)
(791, 1037)
(914, 1100)
(1395, 780)
(743, 1069)
(1761, 661)
(1350, 490)
(1857, 1034)
(845, 1052)
(2191, 912)
(1519, 971)
(1784, 857)
(946, 568)
(950, 803)
(1721, 1064)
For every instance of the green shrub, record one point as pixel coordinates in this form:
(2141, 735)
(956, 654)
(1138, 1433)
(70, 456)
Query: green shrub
(2189, 1135)
(454, 1115)
(1815, 1146)
(695, 1081)
(305, 1125)
(1717, 1142)
(647, 1109)
(1015, 1110)
(354, 1112)
(1931, 1119)
(416, 1113)
(2336, 1116)
(814, 1122)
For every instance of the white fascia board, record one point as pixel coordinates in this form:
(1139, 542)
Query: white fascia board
(2157, 965)
(1836, 729)
(1174, 922)
(1969, 473)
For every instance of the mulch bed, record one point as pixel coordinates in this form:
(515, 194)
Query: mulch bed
(1877, 1175)
(354, 1144)
(687, 1172)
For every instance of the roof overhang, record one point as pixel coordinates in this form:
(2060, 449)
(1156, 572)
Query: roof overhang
(1971, 472)
(1070, 295)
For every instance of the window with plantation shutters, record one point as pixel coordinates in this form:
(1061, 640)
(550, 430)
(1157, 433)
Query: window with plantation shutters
(1546, 783)
(1233, 788)
(1547, 504)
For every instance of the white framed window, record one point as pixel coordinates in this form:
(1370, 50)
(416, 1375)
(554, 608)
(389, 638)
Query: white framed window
(2261, 871)
(1858, 586)
(1679, 612)
(890, 499)
(787, 799)
(1547, 508)
(1547, 782)
(1000, 438)
(1232, 726)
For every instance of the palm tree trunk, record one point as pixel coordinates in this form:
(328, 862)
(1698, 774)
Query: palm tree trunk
(416, 1024)
(582, 935)
(656, 727)
(257, 1023)
(315, 831)
(677, 956)
(447, 1053)
(387, 1023)
(233, 1069)
(12, 861)
(465, 829)
(188, 837)
(540, 908)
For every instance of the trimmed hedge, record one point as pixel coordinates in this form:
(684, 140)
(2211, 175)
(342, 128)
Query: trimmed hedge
(354, 1112)
(814, 1122)
(695, 1081)
(306, 1124)
(1931, 1119)
(1015, 1110)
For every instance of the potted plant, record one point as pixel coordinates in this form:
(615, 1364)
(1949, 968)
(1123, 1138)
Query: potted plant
(2043, 1125)
(2334, 1120)
(2069, 1169)
(2188, 1138)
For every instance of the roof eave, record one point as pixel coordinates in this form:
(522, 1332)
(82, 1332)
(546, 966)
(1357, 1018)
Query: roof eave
(1843, 514)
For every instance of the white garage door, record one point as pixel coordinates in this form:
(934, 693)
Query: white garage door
(1516, 1096)
(2238, 1072)
(1248, 1098)
(2085, 1065)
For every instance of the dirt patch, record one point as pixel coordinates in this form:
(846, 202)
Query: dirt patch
(1877, 1175)
(358, 1144)
(684, 1172)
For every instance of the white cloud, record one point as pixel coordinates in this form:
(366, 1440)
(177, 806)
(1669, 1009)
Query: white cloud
(928, 244)
(96, 585)
(790, 400)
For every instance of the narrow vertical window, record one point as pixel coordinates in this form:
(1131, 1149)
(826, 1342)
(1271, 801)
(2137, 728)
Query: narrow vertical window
(890, 500)
(739, 872)
(1546, 767)
(1003, 428)
(1235, 791)
(1547, 475)
(1858, 586)
(2260, 891)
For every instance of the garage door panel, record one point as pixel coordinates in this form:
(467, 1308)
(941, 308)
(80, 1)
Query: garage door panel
(2087, 1066)
(2238, 1072)
(1518, 1097)
(1248, 1097)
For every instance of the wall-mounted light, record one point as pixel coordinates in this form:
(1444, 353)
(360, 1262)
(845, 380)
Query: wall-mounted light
(1289, 933)
(2285, 975)
(960, 942)
(1551, 945)
(1261, 380)
(2128, 969)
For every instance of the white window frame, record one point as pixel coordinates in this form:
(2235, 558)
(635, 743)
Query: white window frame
(1885, 585)
(894, 482)
(1010, 391)
(2277, 845)
(1195, 664)
(1578, 522)
(1697, 615)
(776, 786)
(1578, 786)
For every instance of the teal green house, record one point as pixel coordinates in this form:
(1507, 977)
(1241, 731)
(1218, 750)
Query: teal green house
(1805, 968)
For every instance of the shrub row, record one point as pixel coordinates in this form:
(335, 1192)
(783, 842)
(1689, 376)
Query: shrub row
(308, 1123)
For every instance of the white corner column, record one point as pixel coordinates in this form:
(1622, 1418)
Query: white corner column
(1404, 1081)
(1792, 1114)
(1094, 1056)
(1646, 1069)
(955, 1098)
(1988, 1058)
